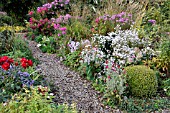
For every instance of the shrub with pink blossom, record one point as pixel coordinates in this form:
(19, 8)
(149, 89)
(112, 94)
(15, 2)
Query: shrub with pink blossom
(48, 19)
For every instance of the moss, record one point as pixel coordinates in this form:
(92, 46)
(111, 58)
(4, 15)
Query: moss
(142, 81)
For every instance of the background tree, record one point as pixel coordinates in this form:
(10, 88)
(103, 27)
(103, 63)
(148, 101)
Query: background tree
(18, 9)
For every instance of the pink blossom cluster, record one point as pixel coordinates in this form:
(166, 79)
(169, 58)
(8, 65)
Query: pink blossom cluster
(41, 20)
(122, 17)
(44, 26)
(56, 4)
(61, 19)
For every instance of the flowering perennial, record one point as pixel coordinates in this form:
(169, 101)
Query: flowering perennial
(11, 70)
(6, 62)
(122, 45)
(73, 46)
(42, 20)
(121, 18)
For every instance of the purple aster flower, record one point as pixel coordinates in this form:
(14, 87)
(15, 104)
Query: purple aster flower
(26, 74)
(130, 15)
(113, 17)
(121, 20)
(63, 28)
(123, 13)
(59, 19)
(67, 1)
(152, 21)
(32, 82)
(68, 16)
(118, 16)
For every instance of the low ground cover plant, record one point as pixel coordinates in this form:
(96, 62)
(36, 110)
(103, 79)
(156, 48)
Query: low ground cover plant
(33, 100)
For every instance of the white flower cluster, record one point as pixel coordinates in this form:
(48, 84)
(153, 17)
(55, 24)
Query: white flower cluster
(92, 54)
(120, 44)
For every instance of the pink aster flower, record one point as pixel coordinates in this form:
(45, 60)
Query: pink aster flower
(63, 28)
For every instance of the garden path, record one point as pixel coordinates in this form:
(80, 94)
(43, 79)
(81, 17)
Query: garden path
(71, 87)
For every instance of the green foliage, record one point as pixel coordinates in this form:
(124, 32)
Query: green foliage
(99, 85)
(6, 41)
(14, 46)
(116, 83)
(46, 44)
(111, 98)
(165, 56)
(72, 59)
(158, 11)
(32, 101)
(78, 30)
(5, 20)
(22, 47)
(166, 86)
(135, 105)
(142, 81)
(165, 51)
(89, 71)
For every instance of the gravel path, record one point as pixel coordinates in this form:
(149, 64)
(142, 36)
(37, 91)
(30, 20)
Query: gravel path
(71, 87)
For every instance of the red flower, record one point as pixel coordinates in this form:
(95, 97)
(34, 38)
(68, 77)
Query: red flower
(115, 91)
(109, 77)
(16, 63)
(24, 65)
(10, 60)
(5, 66)
(23, 60)
(4, 58)
(107, 66)
(106, 61)
(30, 63)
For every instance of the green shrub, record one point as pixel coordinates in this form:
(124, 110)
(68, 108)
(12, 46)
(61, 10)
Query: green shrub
(4, 19)
(6, 41)
(142, 81)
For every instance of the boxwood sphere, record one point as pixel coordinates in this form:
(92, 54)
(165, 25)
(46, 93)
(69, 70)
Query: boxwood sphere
(142, 81)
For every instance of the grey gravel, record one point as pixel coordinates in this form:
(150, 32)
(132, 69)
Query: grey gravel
(71, 87)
